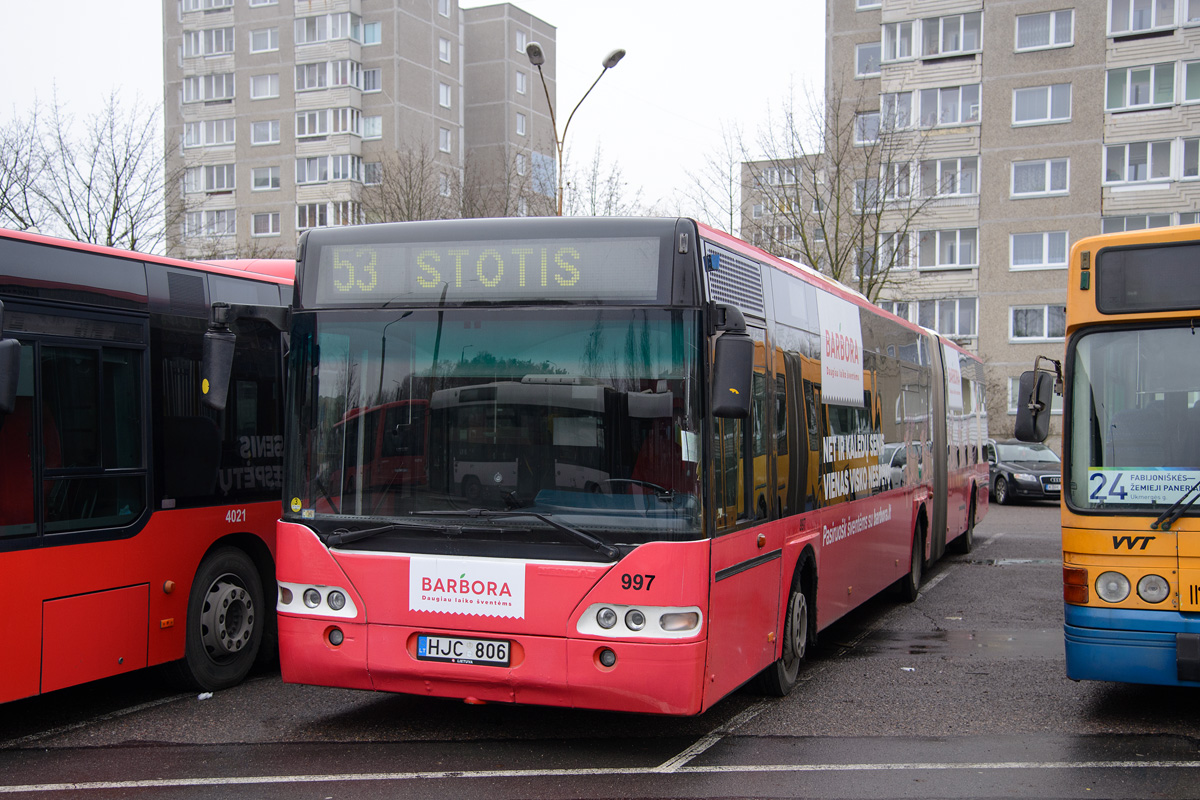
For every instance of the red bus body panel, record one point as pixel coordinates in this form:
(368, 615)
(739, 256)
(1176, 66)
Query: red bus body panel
(76, 600)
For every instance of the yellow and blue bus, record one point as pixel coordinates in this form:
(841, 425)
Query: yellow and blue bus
(1131, 456)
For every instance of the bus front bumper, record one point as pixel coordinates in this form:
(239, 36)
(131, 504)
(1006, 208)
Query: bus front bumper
(653, 678)
(1132, 646)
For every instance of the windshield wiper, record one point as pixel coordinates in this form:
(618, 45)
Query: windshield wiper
(594, 542)
(346, 536)
(1177, 509)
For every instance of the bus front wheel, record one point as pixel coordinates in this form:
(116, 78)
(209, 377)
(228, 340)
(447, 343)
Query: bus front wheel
(224, 623)
(780, 677)
(910, 584)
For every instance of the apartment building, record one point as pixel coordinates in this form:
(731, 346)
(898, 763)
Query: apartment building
(284, 115)
(1029, 124)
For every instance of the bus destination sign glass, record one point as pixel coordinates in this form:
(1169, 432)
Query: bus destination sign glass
(529, 269)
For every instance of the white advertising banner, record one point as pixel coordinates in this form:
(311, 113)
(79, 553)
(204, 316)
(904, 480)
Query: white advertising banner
(485, 587)
(954, 395)
(841, 351)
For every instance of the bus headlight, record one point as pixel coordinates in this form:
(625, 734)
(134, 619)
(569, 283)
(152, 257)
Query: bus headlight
(323, 601)
(336, 600)
(1113, 587)
(635, 620)
(312, 598)
(606, 618)
(687, 621)
(1153, 589)
(614, 620)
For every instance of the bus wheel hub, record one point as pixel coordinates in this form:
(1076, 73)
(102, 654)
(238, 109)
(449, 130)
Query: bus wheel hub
(227, 621)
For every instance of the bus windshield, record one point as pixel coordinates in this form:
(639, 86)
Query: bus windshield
(1134, 443)
(587, 415)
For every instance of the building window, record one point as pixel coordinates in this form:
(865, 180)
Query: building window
(444, 50)
(254, 3)
(264, 41)
(1140, 87)
(266, 224)
(1137, 162)
(522, 79)
(372, 80)
(951, 35)
(1136, 16)
(522, 163)
(264, 132)
(522, 40)
(347, 120)
(444, 95)
(1049, 29)
(219, 178)
(373, 173)
(948, 249)
(264, 179)
(953, 105)
(206, 5)
(866, 127)
(264, 86)
(1191, 159)
(207, 43)
(1191, 14)
(898, 41)
(210, 133)
(949, 177)
(756, 211)
(312, 123)
(345, 168)
(520, 124)
(866, 59)
(1038, 250)
(895, 250)
(444, 185)
(897, 181)
(312, 170)
(1134, 222)
(866, 194)
(444, 140)
(1042, 177)
(867, 5)
(208, 88)
(1037, 323)
(444, 7)
(895, 111)
(312, 215)
(210, 223)
(372, 32)
(1189, 217)
(372, 127)
(1014, 391)
(955, 316)
(310, 77)
(1037, 105)
(328, 28)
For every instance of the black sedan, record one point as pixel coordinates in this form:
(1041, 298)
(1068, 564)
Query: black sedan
(1023, 471)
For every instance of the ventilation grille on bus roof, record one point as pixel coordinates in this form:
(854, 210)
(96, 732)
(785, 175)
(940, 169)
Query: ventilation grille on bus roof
(737, 281)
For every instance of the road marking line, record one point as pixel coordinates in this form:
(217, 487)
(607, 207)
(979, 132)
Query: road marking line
(704, 743)
(161, 783)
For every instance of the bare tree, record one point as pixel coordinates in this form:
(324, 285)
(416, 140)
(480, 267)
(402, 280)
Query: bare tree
(412, 185)
(105, 186)
(20, 153)
(600, 190)
(503, 184)
(716, 186)
(838, 188)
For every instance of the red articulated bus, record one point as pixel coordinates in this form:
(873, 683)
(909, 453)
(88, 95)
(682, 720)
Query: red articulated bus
(137, 526)
(659, 461)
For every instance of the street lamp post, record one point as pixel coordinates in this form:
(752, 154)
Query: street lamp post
(537, 58)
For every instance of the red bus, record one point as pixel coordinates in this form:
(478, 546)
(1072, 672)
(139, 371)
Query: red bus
(654, 451)
(137, 526)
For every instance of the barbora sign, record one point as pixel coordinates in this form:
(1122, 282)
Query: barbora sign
(478, 586)
(841, 351)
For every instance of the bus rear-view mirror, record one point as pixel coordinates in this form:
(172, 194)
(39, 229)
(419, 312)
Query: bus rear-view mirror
(733, 364)
(10, 369)
(216, 365)
(1034, 398)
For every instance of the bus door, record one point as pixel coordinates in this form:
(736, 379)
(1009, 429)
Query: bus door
(746, 555)
(935, 542)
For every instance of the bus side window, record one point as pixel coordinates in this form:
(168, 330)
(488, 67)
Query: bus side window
(729, 451)
(17, 515)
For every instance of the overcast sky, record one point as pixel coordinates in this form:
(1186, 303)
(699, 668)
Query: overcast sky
(692, 65)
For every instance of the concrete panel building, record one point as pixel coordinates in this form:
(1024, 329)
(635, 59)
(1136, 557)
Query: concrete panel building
(1034, 123)
(283, 115)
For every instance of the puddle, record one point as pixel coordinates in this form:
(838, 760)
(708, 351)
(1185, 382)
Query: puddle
(1024, 643)
(1008, 562)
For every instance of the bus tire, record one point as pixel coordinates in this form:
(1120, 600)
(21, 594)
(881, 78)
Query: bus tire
(963, 544)
(226, 617)
(780, 677)
(910, 584)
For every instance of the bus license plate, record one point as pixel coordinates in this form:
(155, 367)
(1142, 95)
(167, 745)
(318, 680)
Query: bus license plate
(456, 650)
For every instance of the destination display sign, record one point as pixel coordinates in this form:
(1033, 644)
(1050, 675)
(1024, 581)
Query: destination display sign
(530, 269)
(1139, 486)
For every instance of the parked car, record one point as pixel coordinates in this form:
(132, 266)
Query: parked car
(1022, 471)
